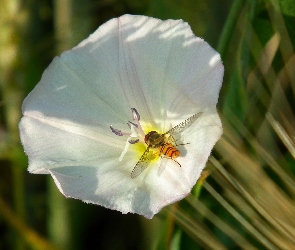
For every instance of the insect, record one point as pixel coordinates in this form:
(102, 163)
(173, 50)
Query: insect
(164, 144)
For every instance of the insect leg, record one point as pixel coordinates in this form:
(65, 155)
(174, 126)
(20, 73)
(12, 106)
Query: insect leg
(164, 156)
(173, 141)
(182, 144)
(176, 161)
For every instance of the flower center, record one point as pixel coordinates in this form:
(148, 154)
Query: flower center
(137, 134)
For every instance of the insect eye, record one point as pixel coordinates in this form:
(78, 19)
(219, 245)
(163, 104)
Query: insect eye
(147, 136)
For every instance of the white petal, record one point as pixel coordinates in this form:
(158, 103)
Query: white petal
(201, 136)
(49, 144)
(146, 60)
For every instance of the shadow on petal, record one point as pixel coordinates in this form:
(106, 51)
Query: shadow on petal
(76, 182)
(141, 203)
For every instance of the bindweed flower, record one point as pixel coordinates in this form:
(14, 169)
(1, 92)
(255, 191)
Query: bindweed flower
(154, 75)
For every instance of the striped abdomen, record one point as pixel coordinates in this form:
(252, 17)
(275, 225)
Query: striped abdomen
(169, 150)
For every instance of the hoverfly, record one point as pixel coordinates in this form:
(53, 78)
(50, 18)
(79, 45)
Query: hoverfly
(164, 144)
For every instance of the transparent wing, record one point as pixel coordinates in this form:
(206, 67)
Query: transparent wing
(163, 164)
(171, 139)
(181, 126)
(141, 164)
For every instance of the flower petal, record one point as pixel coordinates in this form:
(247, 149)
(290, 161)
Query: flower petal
(50, 143)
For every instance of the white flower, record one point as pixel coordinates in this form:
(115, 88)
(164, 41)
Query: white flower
(131, 66)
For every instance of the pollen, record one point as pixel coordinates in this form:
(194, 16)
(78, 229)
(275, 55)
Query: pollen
(139, 148)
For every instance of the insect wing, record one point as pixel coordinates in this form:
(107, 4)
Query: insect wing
(142, 164)
(164, 160)
(183, 125)
(171, 140)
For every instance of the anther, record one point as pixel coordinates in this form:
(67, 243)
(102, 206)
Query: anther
(116, 131)
(136, 116)
(133, 141)
(134, 124)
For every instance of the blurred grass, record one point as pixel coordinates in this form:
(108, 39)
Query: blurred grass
(245, 200)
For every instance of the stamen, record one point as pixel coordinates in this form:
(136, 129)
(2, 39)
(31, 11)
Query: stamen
(133, 141)
(129, 122)
(133, 134)
(136, 132)
(119, 132)
(124, 151)
(136, 116)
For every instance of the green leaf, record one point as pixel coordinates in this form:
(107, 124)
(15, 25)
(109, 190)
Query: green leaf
(176, 240)
(287, 7)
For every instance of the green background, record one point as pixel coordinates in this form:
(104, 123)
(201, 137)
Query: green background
(245, 197)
